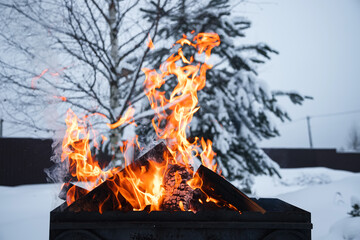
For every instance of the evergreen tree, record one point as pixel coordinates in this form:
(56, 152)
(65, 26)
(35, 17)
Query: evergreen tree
(236, 107)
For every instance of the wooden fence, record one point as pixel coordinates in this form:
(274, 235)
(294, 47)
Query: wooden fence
(23, 160)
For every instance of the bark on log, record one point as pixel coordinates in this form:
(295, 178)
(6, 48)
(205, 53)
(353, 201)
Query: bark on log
(177, 190)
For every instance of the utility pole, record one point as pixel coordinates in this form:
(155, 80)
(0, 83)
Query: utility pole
(309, 131)
(1, 127)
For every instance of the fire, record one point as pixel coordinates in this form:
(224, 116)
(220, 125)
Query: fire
(150, 43)
(54, 74)
(104, 139)
(183, 100)
(62, 98)
(127, 118)
(76, 151)
(143, 186)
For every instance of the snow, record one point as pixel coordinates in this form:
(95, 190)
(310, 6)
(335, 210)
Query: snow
(294, 179)
(25, 211)
(328, 194)
(347, 228)
(355, 200)
(324, 192)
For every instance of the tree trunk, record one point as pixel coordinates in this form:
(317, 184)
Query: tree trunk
(114, 81)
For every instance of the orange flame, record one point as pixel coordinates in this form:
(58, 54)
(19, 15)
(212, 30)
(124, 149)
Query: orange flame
(104, 139)
(76, 150)
(141, 186)
(191, 78)
(207, 155)
(62, 98)
(150, 43)
(128, 116)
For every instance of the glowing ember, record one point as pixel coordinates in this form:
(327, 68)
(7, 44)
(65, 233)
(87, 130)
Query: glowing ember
(145, 186)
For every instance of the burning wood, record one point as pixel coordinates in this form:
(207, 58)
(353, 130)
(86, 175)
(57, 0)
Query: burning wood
(213, 191)
(218, 188)
(178, 193)
(163, 178)
(79, 191)
(103, 197)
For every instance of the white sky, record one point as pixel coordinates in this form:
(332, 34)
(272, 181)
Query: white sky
(319, 45)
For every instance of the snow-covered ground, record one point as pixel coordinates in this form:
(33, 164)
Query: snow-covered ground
(326, 193)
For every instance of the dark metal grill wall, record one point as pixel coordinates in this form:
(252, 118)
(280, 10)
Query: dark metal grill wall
(281, 221)
(22, 160)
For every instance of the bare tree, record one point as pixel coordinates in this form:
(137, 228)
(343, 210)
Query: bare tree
(86, 55)
(353, 142)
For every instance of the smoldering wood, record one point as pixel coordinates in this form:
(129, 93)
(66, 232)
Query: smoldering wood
(217, 187)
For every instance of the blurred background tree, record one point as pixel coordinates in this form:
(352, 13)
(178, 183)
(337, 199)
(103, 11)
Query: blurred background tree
(353, 142)
(86, 55)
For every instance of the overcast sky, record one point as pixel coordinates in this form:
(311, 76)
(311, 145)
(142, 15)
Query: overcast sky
(319, 45)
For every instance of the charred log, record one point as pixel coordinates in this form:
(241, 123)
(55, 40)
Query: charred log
(218, 188)
(105, 197)
(77, 191)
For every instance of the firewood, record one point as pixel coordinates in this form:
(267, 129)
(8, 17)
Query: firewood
(218, 188)
(103, 198)
(176, 188)
(78, 191)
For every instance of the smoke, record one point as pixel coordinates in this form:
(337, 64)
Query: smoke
(58, 172)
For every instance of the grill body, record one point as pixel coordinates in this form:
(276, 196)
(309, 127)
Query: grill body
(281, 221)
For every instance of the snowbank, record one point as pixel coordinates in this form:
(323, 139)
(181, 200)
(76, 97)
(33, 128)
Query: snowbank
(25, 211)
(347, 229)
(327, 203)
(326, 193)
